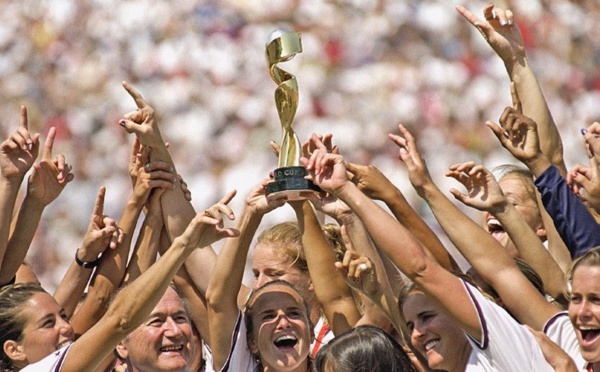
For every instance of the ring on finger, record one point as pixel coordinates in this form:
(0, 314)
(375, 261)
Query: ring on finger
(363, 267)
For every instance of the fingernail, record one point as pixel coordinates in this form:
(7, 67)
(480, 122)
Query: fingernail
(122, 123)
(403, 151)
(583, 131)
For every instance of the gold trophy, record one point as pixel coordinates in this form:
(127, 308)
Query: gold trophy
(289, 180)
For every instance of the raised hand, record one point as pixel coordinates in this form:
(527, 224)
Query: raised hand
(326, 170)
(592, 140)
(257, 202)
(585, 182)
(141, 121)
(18, 153)
(49, 176)
(483, 192)
(153, 174)
(499, 30)
(369, 180)
(102, 232)
(418, 174)
(517, 133)
(207, 227)
(359, 272)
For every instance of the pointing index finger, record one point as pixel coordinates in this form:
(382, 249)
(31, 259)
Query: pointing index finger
(99, 206)
(137, 96)
(47, 153)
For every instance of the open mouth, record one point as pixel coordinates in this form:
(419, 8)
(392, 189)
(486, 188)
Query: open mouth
(285, 342)
(589, 334)
(495, 228)
(170, 348)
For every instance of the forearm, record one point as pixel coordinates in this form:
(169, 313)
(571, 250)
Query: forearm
(228, 272)
(532, 250)
(534, 106)
(146, 248)
(361, 242)
(20, 240)
(331, 290)
(8, 195)
(69, 291)
(407, 216)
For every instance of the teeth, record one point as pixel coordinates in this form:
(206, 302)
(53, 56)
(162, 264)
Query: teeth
(583, 328)
(431, 344)
(494, 224)
(63, 344)
(285, 338)
(171, 348)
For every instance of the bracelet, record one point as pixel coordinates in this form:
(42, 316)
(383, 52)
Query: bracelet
(88, 264)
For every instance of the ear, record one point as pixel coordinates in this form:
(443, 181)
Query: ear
(311, 286)
(121, 351)
(252, 345)
(541, 232)
(14, 351)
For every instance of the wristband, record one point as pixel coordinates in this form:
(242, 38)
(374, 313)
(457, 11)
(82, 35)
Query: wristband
(88, 264)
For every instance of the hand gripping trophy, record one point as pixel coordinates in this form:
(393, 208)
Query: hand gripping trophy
(289, 180)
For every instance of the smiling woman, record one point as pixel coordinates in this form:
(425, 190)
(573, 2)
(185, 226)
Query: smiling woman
(584, 305)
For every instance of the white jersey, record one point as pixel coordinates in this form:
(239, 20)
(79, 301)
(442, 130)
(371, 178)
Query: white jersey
(560, 330)
(51, 363)
(505, 345)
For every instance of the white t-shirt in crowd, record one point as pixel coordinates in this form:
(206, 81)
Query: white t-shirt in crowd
(51, 363)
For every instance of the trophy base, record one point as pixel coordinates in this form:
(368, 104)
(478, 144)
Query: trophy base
(290, 184)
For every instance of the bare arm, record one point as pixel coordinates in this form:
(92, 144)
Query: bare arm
(177, 210)
(482, 251)
(377, 186)
(503, 35)
(329, 172)
(135, 302)
(333, 294)
(17, 155)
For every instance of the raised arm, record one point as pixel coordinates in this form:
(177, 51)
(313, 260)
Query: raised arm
(329, 172)
(226, 279)
(503, 35)
(177, 209)
(482, 251)
(518, 134)
(47, 181)
(377, 186)
(134, 303)
(17, 155)
(484, 194)
(96, 240)
(332, 292)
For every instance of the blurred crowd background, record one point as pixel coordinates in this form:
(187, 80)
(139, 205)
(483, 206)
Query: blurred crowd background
(366, 66)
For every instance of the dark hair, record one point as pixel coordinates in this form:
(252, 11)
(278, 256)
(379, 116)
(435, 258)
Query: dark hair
(12, 299)
(363, 349)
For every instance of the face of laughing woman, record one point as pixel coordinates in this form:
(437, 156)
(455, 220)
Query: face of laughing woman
(280, 333)
(46, 330)
(435, 335)
(584, 310)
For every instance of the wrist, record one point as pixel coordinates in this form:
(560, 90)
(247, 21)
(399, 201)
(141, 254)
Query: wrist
(538, 164)
(84, 260)
(515, 64)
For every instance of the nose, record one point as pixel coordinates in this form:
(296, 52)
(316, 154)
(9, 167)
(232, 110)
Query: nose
(65, 328)
(171, 328)
(282, 320)
(584, 310)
